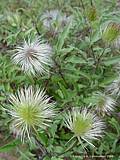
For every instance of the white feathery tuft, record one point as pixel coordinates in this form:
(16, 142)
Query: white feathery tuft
(114, 87)
(55, 20)
(33, 57)
(105, 103)
(30, 109)
(84, 124)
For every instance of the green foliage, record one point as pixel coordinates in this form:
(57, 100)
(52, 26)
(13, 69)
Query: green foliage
(9, 146)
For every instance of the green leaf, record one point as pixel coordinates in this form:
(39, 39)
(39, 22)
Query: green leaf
(107, 81)
(63, 36)
(75, 60)
(55, 158)
(8, 147)
(43, 138)
(115, 124)
(53, 129)
(110, 61)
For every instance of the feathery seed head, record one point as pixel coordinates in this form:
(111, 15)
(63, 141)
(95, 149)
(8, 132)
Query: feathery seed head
(84, 124)
(30, 109)
(114, 87)
(54, 20)
(104, 104)
(33, 57)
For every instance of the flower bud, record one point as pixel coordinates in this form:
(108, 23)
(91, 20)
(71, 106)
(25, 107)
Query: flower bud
(111, 32)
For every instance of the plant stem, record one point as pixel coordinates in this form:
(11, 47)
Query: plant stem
(91, 2)
(60, 72)
(99, 58)
(37, 30)
(42, 148)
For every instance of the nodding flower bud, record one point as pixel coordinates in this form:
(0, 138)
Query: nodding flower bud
(92, 13)
(111, 32)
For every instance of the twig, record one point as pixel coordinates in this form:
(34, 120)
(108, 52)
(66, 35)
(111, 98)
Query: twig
(101, 55)
(35, 25)
(47, 81)
(82, 5)
(91, 2)
(99, 58)
(92, 51)
(42, 148)
(84, 11)
(88, 24)
(60, 72)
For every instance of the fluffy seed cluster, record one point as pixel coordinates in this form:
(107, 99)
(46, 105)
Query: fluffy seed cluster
(33, 57)
(30, 109)
(114, 87)
(105, 103)
(53, 20)
(84, 124)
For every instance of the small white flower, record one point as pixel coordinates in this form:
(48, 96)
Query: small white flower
(30, 110)
(104, 103)
(84, 124)
(114, 87)
(33, 57)
(54, 20)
